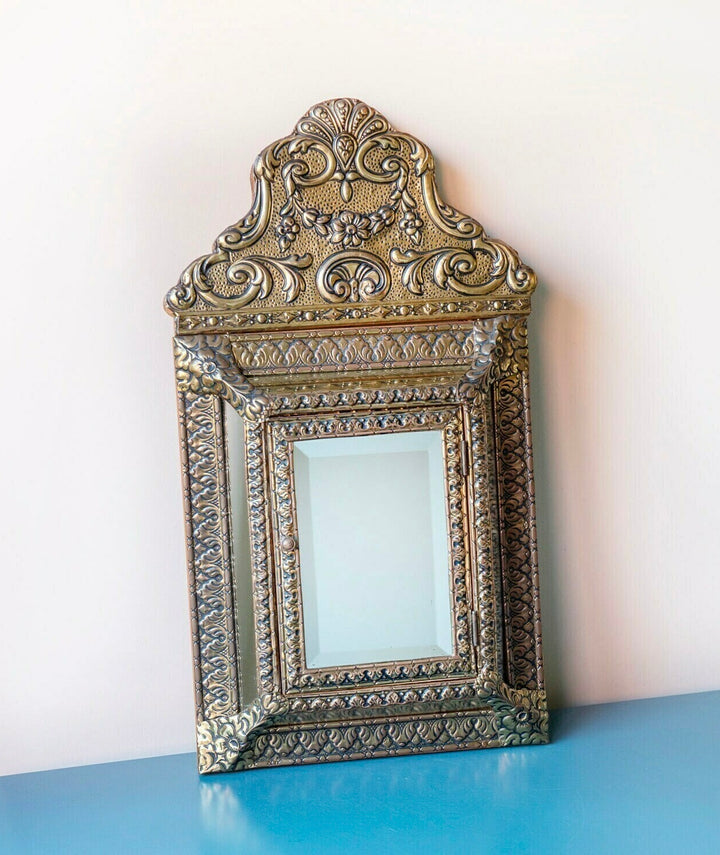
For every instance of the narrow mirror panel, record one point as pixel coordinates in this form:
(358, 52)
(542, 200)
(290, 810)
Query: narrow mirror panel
(242, 572)
(374, 563)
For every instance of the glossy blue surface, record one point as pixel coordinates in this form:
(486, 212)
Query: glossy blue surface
(636, 777)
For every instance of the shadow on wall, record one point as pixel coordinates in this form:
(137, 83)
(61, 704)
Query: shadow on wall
(551, 315)
(581, 644)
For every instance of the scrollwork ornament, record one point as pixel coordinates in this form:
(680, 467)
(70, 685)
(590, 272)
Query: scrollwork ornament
(348, 144)
(338, 130)
(249, 278)
(254, 275)
(452, 268)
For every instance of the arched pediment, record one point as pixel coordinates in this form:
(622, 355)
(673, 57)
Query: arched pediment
(346, 224)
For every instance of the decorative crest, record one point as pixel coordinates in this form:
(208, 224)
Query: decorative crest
(346, 211)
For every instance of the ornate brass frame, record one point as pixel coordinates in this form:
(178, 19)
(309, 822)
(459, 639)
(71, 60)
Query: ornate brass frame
(351, 299)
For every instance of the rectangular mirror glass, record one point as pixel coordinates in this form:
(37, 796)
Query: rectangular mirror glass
(373, 543)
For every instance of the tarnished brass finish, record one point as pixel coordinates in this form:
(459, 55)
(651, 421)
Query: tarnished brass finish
(351, 300)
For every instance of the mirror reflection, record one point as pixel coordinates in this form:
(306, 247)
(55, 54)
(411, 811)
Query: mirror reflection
(373, 543)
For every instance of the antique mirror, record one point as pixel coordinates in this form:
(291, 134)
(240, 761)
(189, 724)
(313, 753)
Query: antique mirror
(352, 377)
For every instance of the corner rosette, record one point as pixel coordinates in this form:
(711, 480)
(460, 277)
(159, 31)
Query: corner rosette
(501, 350)
(205, 365)
(521, 714)
(222, 740)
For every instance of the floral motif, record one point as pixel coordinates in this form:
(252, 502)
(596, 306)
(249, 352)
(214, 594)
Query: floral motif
(349, 229)
(361, 198)
(411, 224)
(205, 365)
(222, 738)
(340, 131)
(287, 230)
(312, 219)
(501, 352)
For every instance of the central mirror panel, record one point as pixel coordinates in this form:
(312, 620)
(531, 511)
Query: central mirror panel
(373, 544)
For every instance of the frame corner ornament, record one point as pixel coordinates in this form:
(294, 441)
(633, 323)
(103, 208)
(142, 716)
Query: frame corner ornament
(204, 365)
(221, 740)
(501, 351)
(521, 715)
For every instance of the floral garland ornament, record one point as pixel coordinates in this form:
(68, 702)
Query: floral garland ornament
(346, 227)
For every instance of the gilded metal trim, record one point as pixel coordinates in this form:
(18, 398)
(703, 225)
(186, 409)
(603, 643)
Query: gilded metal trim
(299, 678)
(360, 349)
(350, 297)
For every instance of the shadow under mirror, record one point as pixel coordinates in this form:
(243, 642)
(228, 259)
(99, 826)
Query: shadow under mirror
(373, 541)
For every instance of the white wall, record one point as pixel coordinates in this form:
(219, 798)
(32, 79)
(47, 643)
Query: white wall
(584, 134)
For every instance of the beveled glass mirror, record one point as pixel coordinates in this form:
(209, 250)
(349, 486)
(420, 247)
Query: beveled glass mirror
(354, 415)
(374, 569)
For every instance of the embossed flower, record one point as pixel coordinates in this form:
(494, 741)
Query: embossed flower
(287, 230)
(349, 229)
(518, 727)
(411, 224)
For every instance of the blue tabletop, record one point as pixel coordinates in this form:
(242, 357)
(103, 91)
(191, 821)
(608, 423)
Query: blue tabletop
(635, 777)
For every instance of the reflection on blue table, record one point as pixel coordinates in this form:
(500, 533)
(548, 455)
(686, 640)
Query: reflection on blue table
(634, 777)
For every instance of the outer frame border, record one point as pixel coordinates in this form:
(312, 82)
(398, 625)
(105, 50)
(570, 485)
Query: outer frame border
(505, 706)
